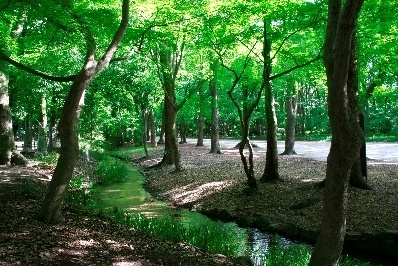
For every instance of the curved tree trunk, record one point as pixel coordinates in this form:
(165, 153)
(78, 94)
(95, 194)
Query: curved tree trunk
(271, 172)
(356, 178)
(51, 208)
(347, 135)
(171, 154)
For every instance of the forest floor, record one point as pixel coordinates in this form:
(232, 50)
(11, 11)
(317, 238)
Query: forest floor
(218, 181)
(208, 181)
(83, 238)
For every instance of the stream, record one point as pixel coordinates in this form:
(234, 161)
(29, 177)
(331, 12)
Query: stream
(131, 197)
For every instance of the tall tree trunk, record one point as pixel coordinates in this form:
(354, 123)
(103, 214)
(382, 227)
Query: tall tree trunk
(171, 154)
(215, 138)
(248, 166)
(152, 127)
(347, 135)
(144, 129)
(51, 208)
(356, 178)
(301, 112)
(201, 119)
(28, 136)
(161, 135)
(271, 172)
(52, 132)
(8, 151)
(42, 138)
(7, 144)
(291, 109)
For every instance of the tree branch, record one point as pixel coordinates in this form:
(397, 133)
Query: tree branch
(296, 67)
(30, 70)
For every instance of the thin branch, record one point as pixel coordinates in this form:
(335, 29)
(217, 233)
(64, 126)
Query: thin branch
(190, 94)
(28, 69)
(294, 32)
(319, 56)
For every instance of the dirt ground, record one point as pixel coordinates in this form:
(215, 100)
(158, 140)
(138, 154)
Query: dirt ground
(218, 181)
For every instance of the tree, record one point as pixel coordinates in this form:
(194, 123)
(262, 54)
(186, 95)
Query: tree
(347, 136)
(8, 151)
(215, 126)
(290, 129)
(51, 208)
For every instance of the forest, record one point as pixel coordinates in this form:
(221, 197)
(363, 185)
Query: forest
(150, 74)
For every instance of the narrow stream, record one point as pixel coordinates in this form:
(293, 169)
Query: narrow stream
(131, 197)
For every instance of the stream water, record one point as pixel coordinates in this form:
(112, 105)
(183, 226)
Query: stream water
(131, 197)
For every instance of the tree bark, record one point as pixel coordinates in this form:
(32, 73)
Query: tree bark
(8, 152)
(144, 129)
(152, 127)
(7, 144)
(215, 127)
(347, 135)
(291, 110)
(171, 153)
(42, 138)
(201, 119)
(161, 135)
(271, 172)
(356, 178)
(51, 208)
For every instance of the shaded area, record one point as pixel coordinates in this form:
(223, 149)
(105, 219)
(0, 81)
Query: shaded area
(83, 239)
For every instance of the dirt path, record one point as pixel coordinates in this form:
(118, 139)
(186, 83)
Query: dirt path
(376, 152)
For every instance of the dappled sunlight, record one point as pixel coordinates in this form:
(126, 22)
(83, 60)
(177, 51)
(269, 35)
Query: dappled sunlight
(185, 196)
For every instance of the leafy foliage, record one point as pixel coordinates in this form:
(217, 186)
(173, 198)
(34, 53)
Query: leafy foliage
(110, 171)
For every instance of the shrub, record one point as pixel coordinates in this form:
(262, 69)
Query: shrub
(79, 193)
(110, 172)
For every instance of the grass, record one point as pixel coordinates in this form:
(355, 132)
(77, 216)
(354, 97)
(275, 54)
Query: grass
(196, 229)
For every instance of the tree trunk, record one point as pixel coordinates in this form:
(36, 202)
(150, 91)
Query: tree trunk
(245, 125)
(356, 178)
(161, 136)
(7, 144)
(347, 135)
(8, 151)
(52, 133)
(291, 108)
(215, 138)
(271, 172)
(28, 138)
(171, 154)
(51, 208)
(42, 138)
(144, 130)
(152, 127)
(201, 119)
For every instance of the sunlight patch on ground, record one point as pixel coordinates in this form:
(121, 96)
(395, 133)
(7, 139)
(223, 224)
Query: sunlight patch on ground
(85, 243)
(186, 196)
(129, 263)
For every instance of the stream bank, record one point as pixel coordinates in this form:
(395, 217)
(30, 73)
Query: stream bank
(215, 185)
